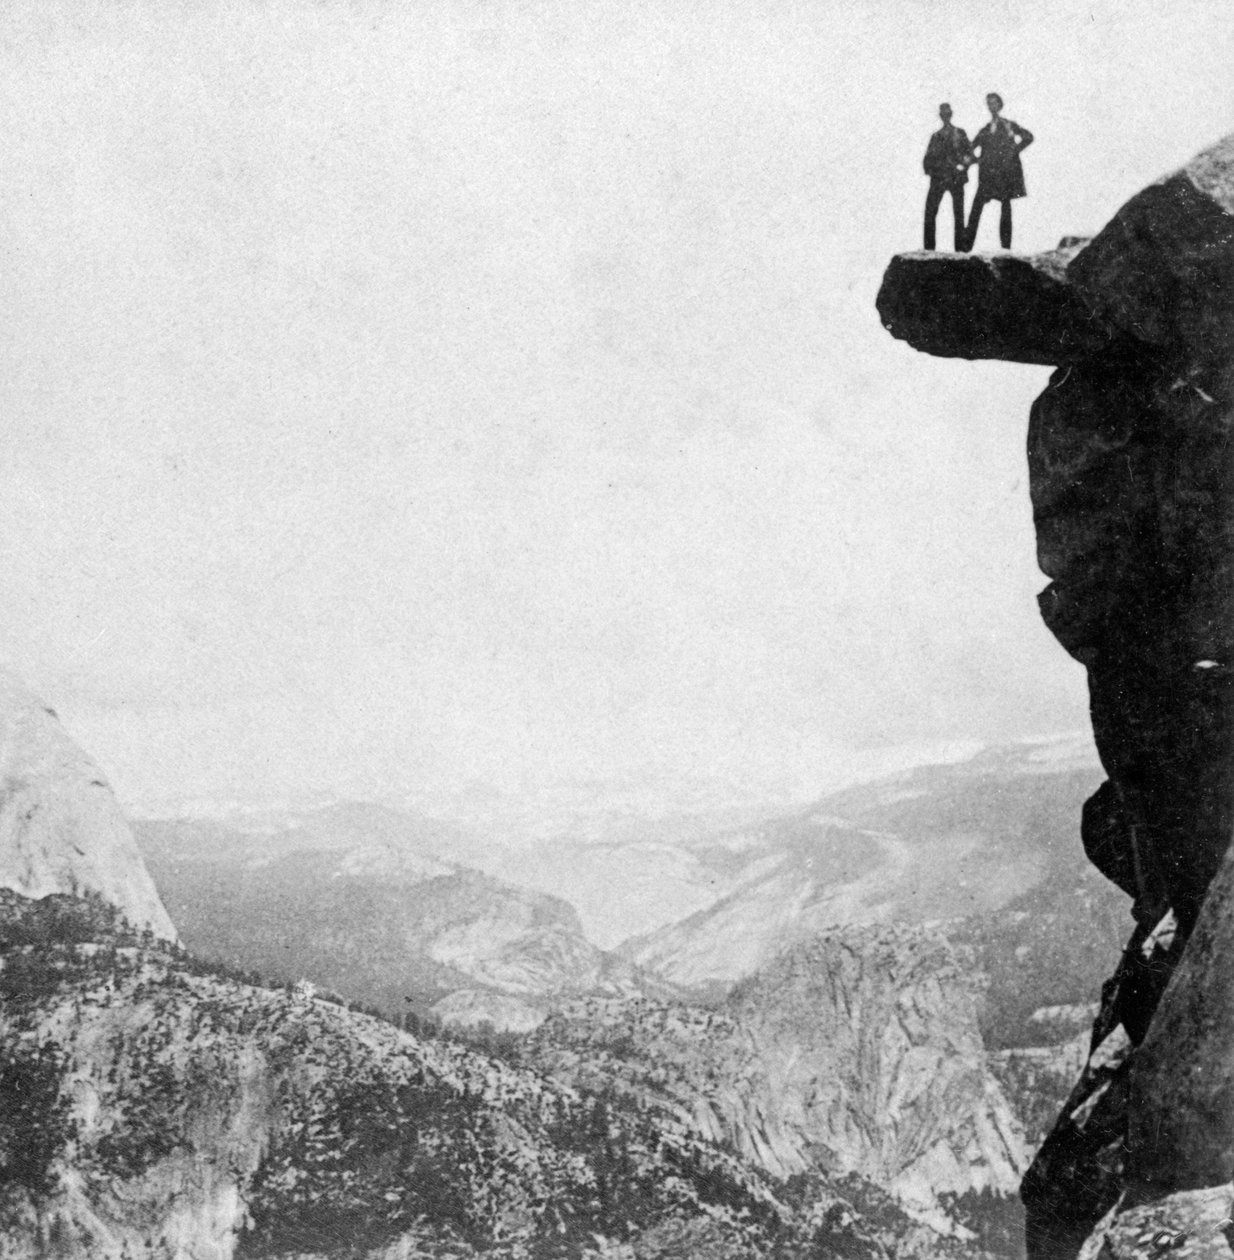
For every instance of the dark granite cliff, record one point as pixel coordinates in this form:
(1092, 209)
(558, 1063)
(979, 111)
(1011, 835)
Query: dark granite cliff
(1132, 479)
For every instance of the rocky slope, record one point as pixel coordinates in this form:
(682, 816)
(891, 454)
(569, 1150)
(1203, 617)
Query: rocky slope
(155, 1108)
(150, 1105)
(858, 1052)
(61, 829)
(872, 1038)
(1043, 956)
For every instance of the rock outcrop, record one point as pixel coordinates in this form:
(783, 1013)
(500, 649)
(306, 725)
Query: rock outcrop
(991, 306)
(482, 1008)
(61, 828)
(871, 1047)
(1132, 476)
(856, 1053)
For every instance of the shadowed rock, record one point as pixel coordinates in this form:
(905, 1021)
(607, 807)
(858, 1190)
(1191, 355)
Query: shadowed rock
(1182, 1083)
(1131, 462)
(1162, 270)
(991, 306)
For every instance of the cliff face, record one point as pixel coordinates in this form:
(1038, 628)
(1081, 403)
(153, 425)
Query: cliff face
(61, 829)
(1132, 476)
(858, 1052)
(872, 1051)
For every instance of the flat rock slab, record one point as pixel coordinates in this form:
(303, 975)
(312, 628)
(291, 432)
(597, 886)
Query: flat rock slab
(1017, 307)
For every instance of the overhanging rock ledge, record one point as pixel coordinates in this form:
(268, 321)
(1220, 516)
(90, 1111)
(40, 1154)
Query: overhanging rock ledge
(1015, 307)
(1131, 462)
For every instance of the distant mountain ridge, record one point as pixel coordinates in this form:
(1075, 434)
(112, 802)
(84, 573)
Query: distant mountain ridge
(396, 914)
(943, 842)
(376, 915)
(150, 1104)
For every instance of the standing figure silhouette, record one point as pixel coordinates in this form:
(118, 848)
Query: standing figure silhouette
(946, 162)
(1000, 176)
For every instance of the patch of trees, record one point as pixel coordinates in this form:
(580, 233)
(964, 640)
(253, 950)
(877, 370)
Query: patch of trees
(35, 1118)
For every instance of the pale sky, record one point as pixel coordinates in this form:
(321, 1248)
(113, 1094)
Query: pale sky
(399, 394)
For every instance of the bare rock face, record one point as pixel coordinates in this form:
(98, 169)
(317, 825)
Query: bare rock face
(870, 1042)
(1131, 464)
(1190, 1225)
(855, 1053)
(61, 829)
(1162, 270)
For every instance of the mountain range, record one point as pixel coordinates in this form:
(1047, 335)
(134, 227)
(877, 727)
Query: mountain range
(357, 899)
(385, 907)
(933, 843)
(859, 1080)
(153, 1107)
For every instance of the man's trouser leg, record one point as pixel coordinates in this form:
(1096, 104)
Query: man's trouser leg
(974, 221)
(1004, 225)
(957, 209)
(933, 199)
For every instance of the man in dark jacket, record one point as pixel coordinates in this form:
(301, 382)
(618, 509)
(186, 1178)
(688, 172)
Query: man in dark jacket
(1001, 175)
(946, 163)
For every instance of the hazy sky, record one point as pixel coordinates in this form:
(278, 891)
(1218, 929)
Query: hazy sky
(410, 393)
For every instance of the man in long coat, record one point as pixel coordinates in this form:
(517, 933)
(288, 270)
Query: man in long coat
(946, 163)
(1001, 174)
